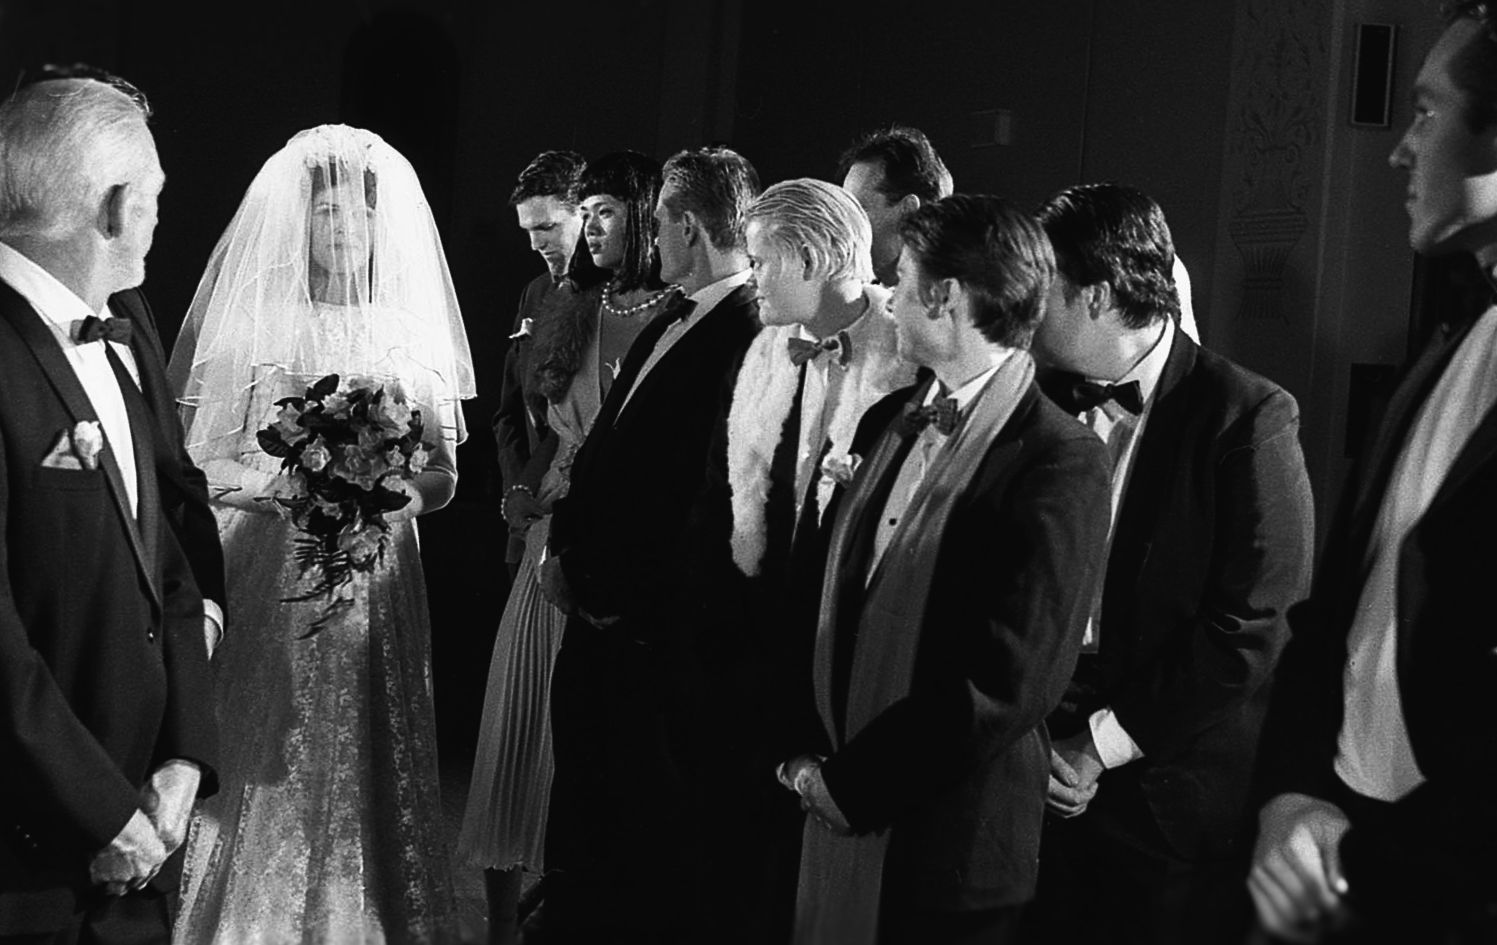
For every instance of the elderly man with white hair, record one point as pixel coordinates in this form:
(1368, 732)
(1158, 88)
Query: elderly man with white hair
(106, 725)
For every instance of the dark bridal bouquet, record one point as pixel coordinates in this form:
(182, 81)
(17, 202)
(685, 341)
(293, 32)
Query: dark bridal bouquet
(342, 449)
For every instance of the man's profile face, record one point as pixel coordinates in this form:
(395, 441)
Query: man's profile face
(670, 239)
(1452, 170)
(785, 293)
(1057, 339)
(863, 182)
(141, 217)
(553, 228)
(917, 333)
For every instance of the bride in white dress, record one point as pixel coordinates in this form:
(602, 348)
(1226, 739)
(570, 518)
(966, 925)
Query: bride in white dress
(327, 827)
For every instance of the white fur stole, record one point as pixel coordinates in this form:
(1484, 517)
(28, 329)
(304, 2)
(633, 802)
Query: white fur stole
(763, 396)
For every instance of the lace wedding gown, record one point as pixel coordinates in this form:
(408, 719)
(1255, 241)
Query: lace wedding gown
(327, 827)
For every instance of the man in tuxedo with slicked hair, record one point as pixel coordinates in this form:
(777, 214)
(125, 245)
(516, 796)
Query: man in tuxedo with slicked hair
(618, 831)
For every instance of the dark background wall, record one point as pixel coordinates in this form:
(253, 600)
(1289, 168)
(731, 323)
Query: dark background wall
(1142, 91)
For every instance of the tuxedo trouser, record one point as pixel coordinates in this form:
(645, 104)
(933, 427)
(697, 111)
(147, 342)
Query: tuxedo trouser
(110, 920)
(1110, 877)
(912, 926)
(619, 834)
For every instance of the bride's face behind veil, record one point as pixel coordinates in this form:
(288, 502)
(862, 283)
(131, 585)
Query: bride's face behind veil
(339, 235)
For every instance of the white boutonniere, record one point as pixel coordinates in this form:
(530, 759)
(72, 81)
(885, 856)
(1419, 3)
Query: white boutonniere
(88, 442)
(840, 469)
(524, 331)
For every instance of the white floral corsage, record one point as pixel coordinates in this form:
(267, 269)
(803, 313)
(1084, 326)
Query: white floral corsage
(524, 331)
(88, 442)
(841, 469)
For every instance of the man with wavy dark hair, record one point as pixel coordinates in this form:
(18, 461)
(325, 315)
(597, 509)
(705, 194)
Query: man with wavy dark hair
(1381, 824)
(1212, 534)
(891, 172)
(961, 566)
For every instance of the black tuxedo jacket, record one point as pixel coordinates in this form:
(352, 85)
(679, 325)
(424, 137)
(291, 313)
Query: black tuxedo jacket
(1435, 852)
(957, 770)
(621, 529)
(184, 490)
(1211, 546)
(102, 661)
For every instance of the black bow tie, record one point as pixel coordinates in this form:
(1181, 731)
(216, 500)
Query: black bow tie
(802, 350)
(678, 309)
(942, 413)
(93, 328)
(1078, 395)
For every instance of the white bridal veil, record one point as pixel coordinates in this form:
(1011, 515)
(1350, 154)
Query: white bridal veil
(331, 264)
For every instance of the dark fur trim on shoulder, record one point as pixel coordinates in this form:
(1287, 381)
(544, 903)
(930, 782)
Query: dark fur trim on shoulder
(563, 329)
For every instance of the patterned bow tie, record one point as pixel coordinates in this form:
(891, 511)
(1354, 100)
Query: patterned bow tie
(1081, 395)
(942, 413)
(93, 328)
(802, 350)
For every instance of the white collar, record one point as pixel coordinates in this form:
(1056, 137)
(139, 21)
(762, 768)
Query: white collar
(965, 394)
(52, 300)
(712, 293)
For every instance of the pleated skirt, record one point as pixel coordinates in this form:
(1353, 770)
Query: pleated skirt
(504, 823)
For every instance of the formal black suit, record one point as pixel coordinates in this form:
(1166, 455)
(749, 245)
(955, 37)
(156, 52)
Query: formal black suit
(524, 442)
(184, 489)
(954, 772)
(1212, 544)
(102, 660)
(618, 823)
(1426, 864)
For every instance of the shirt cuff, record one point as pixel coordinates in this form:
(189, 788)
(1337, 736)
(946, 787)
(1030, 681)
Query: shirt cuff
(213, 629)
(1114, 745)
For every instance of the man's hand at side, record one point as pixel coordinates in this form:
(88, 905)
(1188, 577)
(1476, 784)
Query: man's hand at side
(554, 585)
(1296, 880)
(167, 800)
(1075, 767)
(130, 859)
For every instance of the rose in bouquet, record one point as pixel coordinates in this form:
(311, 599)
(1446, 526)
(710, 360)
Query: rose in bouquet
(346, 452)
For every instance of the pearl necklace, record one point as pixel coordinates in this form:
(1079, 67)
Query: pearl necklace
(631, 310)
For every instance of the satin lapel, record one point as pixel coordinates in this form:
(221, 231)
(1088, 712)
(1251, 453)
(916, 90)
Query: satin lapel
(847, 560)
(59, 373)
(1157, 454)
(700, 335)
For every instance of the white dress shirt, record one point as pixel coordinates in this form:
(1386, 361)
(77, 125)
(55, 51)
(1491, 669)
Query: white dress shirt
(706, 299)
(919, 459)
(1122, 431)
(1374, 757)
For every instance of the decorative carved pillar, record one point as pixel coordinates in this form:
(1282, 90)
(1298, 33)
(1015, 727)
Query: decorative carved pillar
(1274, 135)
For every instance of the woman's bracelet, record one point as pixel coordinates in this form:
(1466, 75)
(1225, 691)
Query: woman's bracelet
(504, 503)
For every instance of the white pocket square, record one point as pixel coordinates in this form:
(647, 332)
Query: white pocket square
(62, 456)
(77, 448)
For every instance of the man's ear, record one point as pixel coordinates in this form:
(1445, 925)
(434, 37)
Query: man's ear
(1098, 300)
(908, 204)
(808, 266)
(111, 221)
(945, 297)
(691, 229)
